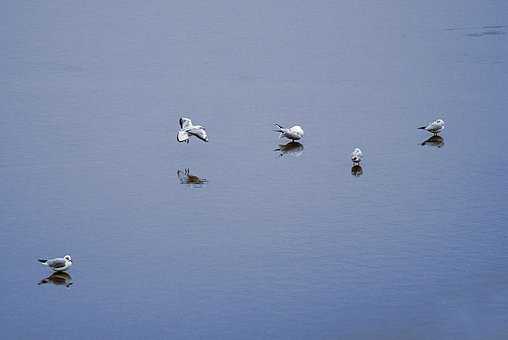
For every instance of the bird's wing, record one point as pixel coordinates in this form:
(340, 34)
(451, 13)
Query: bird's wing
(182, 136)
(56, 263)
(200, 133)
(433, 126)
(185, 123)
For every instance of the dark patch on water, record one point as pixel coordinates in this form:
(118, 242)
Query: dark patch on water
(490, 32)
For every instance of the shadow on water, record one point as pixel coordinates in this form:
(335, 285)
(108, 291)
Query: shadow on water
(435, 141)
(356, 170)
(58, 279)
(487, 32)
(186, 178)
(294, 149)
(481, 31)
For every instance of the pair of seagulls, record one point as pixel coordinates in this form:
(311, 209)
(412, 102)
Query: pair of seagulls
(435, 127)
(187, 129)
(296, 133)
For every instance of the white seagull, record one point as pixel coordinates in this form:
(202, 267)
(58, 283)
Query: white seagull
(187, 130)
(293, 133)
(58, 264)
(435, 127)
(356, 155)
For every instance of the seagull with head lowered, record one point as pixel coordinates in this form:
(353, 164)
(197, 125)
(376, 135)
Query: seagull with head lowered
(187, 130)
(356, 156)
(435, 127)
(58, 264)
(293, 133)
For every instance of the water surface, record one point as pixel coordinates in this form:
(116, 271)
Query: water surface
(276, 244)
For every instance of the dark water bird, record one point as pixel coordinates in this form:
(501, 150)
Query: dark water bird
(292, 148)
(435, 127)
(58, 279)
(58, 264)
(186, 178)
(435, 141)
(356, 170)
(187, 130)
(293, 133)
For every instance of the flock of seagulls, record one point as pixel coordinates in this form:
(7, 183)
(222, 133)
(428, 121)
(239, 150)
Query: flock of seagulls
(187, 129)
(295, 133)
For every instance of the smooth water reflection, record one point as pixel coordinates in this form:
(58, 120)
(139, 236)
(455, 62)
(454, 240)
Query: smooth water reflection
(356, 170)
(58, 279)
(435, 141)
(185, 177)
(294, 149)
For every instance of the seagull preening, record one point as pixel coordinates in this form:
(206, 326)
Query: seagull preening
(187, 130)
(356, 156)
(58, 264)
(435, 127)
(293, 133)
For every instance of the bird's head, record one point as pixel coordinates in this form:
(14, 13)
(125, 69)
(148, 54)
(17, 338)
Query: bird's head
(67, 258)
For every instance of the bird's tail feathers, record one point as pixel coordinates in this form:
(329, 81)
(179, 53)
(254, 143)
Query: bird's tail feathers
(279, 127)
(42, 261)
(422, 127)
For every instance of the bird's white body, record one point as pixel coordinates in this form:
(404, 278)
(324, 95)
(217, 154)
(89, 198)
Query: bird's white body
(356, 155)
(293, 133)
(187, 130)
(435, 127)
(58, 264)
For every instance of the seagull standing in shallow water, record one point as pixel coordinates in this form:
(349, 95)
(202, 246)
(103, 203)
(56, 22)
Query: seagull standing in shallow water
(187, 130)
(293, 133)
(435, 127)
(58, 264)
(356, 156)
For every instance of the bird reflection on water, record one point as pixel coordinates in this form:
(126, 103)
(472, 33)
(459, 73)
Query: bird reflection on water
(58, 279)
(356, 170)
(435, 141)
(186, 178)
(292, 148)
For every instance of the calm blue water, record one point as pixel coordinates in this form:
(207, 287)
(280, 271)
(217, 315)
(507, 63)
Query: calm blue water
(270, 247)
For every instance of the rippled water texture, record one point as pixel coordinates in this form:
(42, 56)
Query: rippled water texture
(247, 236)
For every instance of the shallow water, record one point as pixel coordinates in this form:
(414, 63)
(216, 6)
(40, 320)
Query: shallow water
(275, 244)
